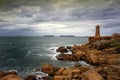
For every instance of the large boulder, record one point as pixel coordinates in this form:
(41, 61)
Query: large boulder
(91, 58)
(60, 71)
(78, 54)
(85, 47)
(62, 49)
(111, 72)
(91, 75)
(110, 50)
(47, 68)
(84, 69)
(113, 61)
(94, 51)
(2, 73)
(67, 71)
(59, 77)
(111, 77)
(63, 57)
(11, 72)
(11, 77)
(75, 71)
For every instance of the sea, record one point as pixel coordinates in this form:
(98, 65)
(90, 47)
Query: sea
(24, 53)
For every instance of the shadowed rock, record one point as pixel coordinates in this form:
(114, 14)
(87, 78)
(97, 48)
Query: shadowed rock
(62, 49)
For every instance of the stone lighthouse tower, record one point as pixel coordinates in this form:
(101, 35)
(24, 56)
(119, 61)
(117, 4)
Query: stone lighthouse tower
(97, 33)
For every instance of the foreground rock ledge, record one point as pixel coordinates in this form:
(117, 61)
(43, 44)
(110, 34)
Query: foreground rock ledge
(73, 73)
(9, 76)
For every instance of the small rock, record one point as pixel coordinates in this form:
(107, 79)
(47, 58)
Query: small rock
(69, 47)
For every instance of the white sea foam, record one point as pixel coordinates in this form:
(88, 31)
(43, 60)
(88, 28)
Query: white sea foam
(80, 62)
(52, 53)
(29, 53)
(12, 70)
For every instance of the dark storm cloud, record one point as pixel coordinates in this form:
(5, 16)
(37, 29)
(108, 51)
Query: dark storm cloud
(96, 14)
(112, 24)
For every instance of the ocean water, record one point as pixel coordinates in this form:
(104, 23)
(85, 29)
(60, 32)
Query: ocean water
(24, 54)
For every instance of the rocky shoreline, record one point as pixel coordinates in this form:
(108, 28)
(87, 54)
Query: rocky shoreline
(101, 52)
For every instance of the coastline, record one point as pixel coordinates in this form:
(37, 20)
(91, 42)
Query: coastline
(102, 59)
(101, 56)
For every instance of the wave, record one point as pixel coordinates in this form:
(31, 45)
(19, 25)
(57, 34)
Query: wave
(52, 53)
(12, 70)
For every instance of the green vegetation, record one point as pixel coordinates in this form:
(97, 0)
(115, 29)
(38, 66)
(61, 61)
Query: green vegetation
(115, 43)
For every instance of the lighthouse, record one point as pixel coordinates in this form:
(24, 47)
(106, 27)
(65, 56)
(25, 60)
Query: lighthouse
(97, 32)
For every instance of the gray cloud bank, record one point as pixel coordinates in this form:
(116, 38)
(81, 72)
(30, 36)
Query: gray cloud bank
(70, 17)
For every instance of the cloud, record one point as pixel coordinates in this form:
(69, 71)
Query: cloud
(78, 17)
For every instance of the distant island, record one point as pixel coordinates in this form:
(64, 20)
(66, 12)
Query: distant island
(49, 36)
(66, 36)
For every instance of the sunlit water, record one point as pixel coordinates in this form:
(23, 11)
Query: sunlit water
(26, 53)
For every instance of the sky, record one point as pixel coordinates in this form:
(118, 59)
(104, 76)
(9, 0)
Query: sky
(59, 17)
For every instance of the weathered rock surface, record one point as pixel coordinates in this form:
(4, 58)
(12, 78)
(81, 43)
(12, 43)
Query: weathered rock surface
(110, 50)
(59, 77)
(47, 68)
(2, 73)
(9, 76)
(65, 57)
(78, 54)
(62, 49)
(91, 75)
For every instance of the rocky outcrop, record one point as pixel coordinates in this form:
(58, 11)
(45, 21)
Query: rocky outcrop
(62, 49)
(91, 75)
(102, 52)
(77, 73)
(78, 54)
(112, 50)
(93, 39)
(2, 73)
(65, 57)
(47, 68)
(102, 72)
(9, 76)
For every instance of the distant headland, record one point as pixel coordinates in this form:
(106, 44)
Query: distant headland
(59, 36)
(66, 36)
(49, 36)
